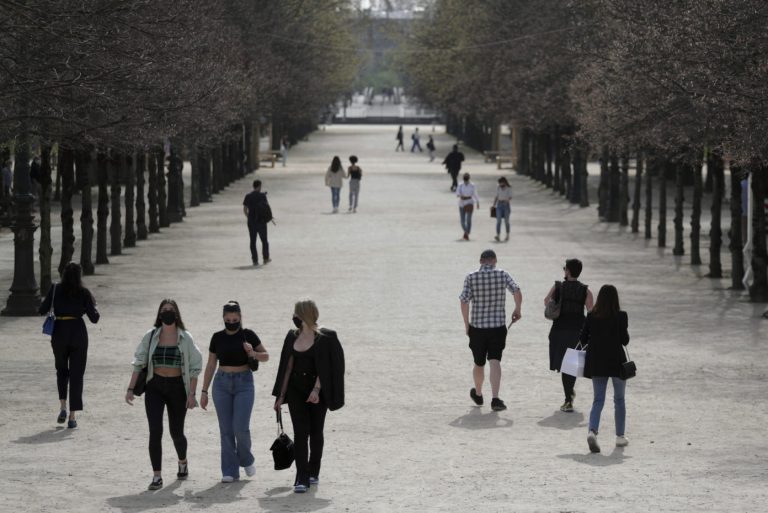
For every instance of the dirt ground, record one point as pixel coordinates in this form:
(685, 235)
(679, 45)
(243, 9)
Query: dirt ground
(409, 439)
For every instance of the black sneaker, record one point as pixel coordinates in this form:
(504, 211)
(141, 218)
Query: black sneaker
(62, 417)
(497, 404)
(477, 398)
(183, 472)
(156, 484)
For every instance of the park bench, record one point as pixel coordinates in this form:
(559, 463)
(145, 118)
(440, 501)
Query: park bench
(503, 159)
(271, 156)
(490, 156)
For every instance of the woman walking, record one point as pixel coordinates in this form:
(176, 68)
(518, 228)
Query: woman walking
(310, 378)
(173, 362)
(573, 297)
(501, 201)
(70, 300)
(334, 178)
(468, 199)
(399, 139)
(355, 175)
(234, 350)
(431, 148)
(605, 334)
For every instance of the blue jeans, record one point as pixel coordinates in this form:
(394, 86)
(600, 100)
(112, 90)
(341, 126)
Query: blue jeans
(466, 220)
(233, 397)
(502, 212)
(335, 196)
(619, 387)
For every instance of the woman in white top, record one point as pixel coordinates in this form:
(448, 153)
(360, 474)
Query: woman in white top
(467, 201)
(334, 178)
(503, 195)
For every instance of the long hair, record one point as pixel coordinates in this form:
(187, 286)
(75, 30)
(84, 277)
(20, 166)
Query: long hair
(306, 310)
(336, 165)
(72, 279)
(179, 322)
(607, 304)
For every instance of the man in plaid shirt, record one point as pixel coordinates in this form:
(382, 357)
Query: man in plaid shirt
(486, 290)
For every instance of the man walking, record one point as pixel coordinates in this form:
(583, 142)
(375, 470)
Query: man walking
(453, 162)
(416, 138)
(257, 210)
(399, 138)
(486, 327)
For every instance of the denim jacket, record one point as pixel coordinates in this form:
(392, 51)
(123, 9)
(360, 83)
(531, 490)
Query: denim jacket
(191, 357)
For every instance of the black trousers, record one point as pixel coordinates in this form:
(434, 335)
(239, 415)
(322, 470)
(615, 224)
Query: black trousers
(569, 382)
(258, 229)
(161, 393)
(70, 351)
(308, 421)
(454, 178)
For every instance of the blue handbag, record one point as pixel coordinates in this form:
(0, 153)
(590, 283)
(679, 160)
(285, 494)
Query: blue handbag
(50, 317)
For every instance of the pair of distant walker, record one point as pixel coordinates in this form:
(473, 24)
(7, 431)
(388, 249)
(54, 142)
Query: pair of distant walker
(468, 201)
(334, 178)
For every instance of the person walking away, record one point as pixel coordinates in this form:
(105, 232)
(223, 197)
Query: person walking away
(70, 300)
(173, 362)
(573, 297)
(431, 148)
(502, 204)
(605, 335)
(310, 378)
(467, 194)
(258, 213)
(399, 138)
(452, 162)
(355, 175)
(416, 137)
(334, 178)
(284, 149)
(234, 350)
(485, 290)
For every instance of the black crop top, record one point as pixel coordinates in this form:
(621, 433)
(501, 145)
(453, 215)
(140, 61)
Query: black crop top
(229, 348)
(355, 173)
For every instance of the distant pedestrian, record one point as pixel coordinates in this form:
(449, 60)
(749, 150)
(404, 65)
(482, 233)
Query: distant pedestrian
(468, 200)
(7, 179)
(416, 138)
(399, 138)
(605, 334)
(453, 162)
(334, 178)
(573, 297)
(70, 300)
(310, 378)
(284, 144)
(485, 289)
(235, 351)
(173, 363)
(355, 175)
(259, 214)
(431, 148)
(502, 204)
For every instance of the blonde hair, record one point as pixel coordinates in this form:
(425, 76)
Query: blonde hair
(306, 310)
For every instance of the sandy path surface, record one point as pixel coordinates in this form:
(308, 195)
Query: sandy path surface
(409, 439)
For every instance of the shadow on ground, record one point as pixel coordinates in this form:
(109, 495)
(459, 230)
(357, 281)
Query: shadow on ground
(598, 460)
(561, 420)
(217, 494)
(282, 498)
(476, 419)
(49, 436)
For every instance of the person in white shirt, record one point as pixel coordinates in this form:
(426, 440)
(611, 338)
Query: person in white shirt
(501, 202)
(468, 199)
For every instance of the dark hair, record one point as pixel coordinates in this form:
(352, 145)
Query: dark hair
(465, 177)
(231, 307)
(71, 279)
(256, 184)
(455, 147)
(179, 322)
(353, 159)
(336, 164)
(607, 304)
(574, 266)
(504, 181)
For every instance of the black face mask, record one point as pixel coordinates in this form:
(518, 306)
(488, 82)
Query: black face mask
(168, 317)
(297, 322)
(232, 326)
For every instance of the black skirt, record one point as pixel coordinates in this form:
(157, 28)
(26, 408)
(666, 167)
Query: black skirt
(560, 339)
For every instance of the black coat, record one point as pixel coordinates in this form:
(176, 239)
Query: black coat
(606, 339)
(329, 361)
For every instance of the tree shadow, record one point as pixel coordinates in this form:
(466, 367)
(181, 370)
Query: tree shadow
(476, 419)
(148, 500)
(282, 498)
(617, 457)
(49, 436)
(563, 420)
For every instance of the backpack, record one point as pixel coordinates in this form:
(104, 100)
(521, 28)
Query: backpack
(263, 211)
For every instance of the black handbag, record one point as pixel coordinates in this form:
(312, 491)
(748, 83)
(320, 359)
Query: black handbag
(282, 447)
(141, 380)
(253, 363)
(552, 309)
(628, 369)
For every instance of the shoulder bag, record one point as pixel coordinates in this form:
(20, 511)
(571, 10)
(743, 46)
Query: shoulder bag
(50, 318)
(628, 369)
(141, 380)
(552, 309)
(253, 363)
(282, 447)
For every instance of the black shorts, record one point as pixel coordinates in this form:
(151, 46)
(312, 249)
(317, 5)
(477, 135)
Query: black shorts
(487, 343)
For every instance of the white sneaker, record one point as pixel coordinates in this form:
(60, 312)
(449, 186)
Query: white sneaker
(592, 442)
(227, 479)
(299, 488)
(621, 441)
(250, 470)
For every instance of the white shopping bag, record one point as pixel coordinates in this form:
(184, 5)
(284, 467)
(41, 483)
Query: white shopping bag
(573, 362)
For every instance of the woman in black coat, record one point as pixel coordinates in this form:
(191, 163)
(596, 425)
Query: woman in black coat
(310, 378)
(605, 334)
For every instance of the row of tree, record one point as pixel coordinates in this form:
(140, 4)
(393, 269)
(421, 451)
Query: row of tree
(670, 85)
(105, 85)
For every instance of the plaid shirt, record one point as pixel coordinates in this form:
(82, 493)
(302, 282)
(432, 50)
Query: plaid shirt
(486, 290)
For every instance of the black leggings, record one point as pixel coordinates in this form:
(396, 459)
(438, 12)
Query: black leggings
(162, 392)
(308, 420)
(568, 383)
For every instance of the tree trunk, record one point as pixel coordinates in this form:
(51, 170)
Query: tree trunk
(736, 245)
(653, 164)
(162, 194)
(194, 184)
(83, 163)
(67, 171)
(57, 185)
(576, 181)
(584, 177)
(129, 240)
(558, 149)
(662, 228)
(637, 193)
(614, 190)
(716, 232)
(115, 227)
(45, 251)
(523, 166)
(205, 174)
(758, 291)
(174, 186)
(152, 193)
(696, 214)
(679, 248)
(248, 138)
(566, 185)
(141, 223)
(624, 186)
(102, 212)
(547, 139)
(603, 187)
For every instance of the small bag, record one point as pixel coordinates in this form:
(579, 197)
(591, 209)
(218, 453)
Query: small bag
(253, 363)
(628, 369)
(282, 447)
(493, 211)
(50, 318)
(141, 379)
(552, 309)
(469, 208)
(573, 361)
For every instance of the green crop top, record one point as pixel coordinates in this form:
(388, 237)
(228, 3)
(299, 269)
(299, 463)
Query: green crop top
(167, 356)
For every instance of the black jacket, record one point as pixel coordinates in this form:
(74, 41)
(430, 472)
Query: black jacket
(329, 360)
(453, 161)
(606, 339)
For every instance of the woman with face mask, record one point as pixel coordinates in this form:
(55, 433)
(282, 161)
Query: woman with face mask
(310, 378)
(503, 197)
(173, 363)
(233, 350)
(468, 200)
